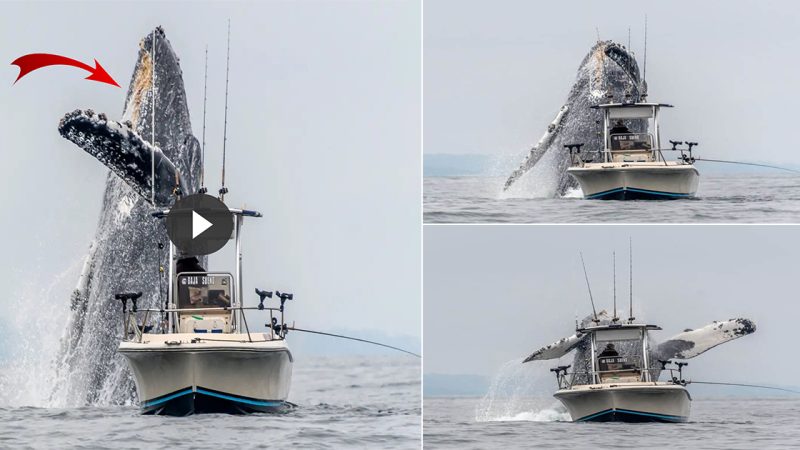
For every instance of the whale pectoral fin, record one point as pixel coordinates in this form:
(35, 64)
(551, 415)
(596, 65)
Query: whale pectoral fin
(557, 349)
(123, 151)
(539, 150)
(694, 342)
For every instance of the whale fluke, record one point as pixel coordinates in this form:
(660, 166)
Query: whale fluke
(122, 150)
(694, 342)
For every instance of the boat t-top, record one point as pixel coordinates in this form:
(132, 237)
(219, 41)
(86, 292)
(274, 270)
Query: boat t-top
(632, 164)
(198, 354)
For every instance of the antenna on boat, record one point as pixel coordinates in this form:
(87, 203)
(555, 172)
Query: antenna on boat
(614, 263)
(591, 299)
(630, 288)
(153, 117)
(203, 189)
(644, 75)
(223, 190)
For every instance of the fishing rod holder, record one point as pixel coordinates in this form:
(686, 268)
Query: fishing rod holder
(574, 148)
(561, 375)
(688, 159)
(131, 327)
(262, 295)
(125, 296)
(280, 328)
(575, 154)
(284, 297)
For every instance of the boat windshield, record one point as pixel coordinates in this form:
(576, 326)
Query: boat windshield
(204, 290)
(619, 355)
(631, 141)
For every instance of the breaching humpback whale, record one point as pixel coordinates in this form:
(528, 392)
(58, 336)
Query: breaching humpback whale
(125, 254)
(685, 345)
(608, 72)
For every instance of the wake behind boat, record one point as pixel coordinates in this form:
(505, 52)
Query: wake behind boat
(632, 164)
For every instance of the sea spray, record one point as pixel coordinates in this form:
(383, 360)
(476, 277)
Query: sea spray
(521, 392)
(541, 181)
(33, 329)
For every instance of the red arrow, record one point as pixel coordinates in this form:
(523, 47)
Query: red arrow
(29, 63)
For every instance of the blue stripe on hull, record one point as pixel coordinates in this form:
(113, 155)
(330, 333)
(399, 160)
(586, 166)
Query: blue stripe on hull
(234, 398)
(636, 194)
(627, 415)
(185, 401)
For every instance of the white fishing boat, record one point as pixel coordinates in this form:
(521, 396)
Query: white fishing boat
(198, 355)
(632, 164)
(621, 385)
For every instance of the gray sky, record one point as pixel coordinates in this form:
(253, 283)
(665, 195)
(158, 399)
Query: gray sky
(323, 137)
(495, 293)
(496, 73)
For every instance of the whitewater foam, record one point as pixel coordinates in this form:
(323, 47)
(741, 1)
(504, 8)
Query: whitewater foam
(521, 392)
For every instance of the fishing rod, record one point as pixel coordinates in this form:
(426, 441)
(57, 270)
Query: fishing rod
(614, 264)
(630, 274)
(223, 190)
(153, 117)
(352, 339)
(203, 189)
(591, 299)
(744, 385)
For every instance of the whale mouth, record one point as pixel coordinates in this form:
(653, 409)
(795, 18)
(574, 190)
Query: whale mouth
(627, 62)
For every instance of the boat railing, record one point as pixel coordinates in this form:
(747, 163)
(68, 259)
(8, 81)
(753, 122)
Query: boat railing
(566, 379)
(137, 321)
(578, 156)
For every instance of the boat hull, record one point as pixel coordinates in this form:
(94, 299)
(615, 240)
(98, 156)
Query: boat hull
(210, 377)
(630, 182)
(645, 402)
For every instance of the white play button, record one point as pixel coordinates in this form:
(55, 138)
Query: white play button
(199, 224)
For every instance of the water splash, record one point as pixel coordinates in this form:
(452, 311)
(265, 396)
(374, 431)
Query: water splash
(541, 181)
(34, 327)
(521, 392)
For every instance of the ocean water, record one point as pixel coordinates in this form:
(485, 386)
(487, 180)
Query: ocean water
(730, 198)
(714, 424)
(346, 402)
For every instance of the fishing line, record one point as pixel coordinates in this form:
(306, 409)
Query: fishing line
(748, 164)
(354, 339)
(727, 161)
(744, 385)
